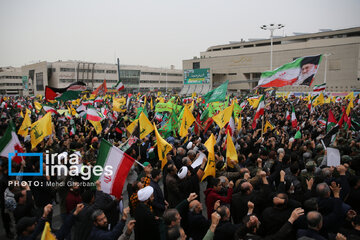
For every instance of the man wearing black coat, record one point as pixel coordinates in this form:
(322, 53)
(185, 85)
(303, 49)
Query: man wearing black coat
(197, 223)
(159, 204)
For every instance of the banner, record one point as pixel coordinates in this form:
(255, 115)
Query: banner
(197, 76)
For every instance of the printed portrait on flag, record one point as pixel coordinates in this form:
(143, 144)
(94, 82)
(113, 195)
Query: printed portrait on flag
(309, 67)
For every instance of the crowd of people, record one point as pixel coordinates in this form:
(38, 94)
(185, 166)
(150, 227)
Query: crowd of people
(280, 187)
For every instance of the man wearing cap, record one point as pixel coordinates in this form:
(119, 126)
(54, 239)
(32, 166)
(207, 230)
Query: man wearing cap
(147, 225)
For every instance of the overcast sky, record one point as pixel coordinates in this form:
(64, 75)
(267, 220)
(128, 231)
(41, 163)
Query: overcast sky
(156, 33)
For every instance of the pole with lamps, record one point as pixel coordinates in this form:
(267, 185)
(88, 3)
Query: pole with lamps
(272, 27)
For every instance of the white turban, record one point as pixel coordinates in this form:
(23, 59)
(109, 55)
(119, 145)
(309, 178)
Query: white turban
(189, 145)
(182, 172)
(145, 193)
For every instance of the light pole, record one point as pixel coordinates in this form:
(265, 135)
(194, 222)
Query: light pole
(271, 27)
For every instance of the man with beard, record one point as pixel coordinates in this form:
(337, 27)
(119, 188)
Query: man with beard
(309, 67)
(100, 230)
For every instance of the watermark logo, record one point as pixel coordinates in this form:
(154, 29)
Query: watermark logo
(57, 165)
(16, 154)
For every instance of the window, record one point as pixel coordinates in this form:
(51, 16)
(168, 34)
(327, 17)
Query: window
(67, 70)
(99, 71)
(111, 71)
(196, 65)
(39, 82)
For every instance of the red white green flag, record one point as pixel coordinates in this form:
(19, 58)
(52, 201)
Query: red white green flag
(10, 143)
(293, 118)
(259, 111)
(299, 72)
(111, 157)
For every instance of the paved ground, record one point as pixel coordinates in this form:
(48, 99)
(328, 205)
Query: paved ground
(57, 219)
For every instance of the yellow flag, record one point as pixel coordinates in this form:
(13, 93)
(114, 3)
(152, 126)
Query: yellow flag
(333, 99)
(210, 166)
(231, 153)
(46, 234)
(97, 126)
(319, 100)
(163, 147)
(186, 122)
(151, 104)
(268, 125)
(21, 114)
(350, 96)
(40, 129)
(193, 94)
(192, 106)
(161, 100)
(24, 129)
(159, 93)
(144, 102)
(349, 107)
(73, 111)
(132, 126)
(75, 102)
(239, 126)
(92, 96)
(145, 126)
(117, 103)
(328, 100)
(223, 117)
(38, 106)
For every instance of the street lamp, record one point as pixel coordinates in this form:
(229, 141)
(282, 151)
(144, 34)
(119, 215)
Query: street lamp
(271, 27)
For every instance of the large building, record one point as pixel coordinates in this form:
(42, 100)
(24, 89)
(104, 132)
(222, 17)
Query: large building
(62, 73)
(243, 62)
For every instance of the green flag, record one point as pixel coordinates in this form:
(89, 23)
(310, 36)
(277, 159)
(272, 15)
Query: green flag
(218, 94)
(297, 135)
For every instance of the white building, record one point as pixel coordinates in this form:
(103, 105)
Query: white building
(61, 74)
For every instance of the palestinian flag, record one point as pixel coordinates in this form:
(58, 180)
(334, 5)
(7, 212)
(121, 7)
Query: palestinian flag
(10, 143)
(111, 157)
(69, 93)
(331, 121)
(330, 136)
(293, 118)
(319, 88)
(50, 109)
(299, 72)
(259, 111)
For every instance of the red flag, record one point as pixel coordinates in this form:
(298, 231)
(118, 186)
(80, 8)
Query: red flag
(101, 90)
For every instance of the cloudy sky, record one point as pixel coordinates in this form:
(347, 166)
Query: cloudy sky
(156, 33)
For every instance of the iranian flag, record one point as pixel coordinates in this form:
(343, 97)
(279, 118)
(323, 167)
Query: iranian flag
(73, 130)
(10, 143)
(93, 115)
(288, 117)
(259, 111)
(331, 121)
(293, 118)
(299, 72)
(319, 88)
(50, 109)
(231, 126)
(111, 157)
(119, 86)
(98, 99)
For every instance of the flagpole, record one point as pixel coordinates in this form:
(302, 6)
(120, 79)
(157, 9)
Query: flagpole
(262, 126)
